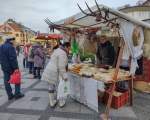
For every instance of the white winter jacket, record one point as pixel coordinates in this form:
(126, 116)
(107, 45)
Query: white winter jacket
(56, 66)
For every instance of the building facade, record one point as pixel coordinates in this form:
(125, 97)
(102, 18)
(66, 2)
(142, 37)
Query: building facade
(141, 12)
(19, 31)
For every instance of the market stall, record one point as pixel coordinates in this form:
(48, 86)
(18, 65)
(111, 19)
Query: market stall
(82, 27)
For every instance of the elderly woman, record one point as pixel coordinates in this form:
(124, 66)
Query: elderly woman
(38, 59)
(56, 70)
(105, 52)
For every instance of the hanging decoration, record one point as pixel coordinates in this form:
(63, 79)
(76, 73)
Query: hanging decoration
(136, 37)
(107, 14)
(75, 47)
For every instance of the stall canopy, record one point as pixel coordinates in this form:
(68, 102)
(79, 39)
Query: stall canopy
(49, 37)
(89, 21)
(103, 16)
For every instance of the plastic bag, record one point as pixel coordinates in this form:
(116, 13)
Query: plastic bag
(63, 90)
(15, 78)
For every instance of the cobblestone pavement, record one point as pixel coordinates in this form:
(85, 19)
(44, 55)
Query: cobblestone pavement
(35, 105)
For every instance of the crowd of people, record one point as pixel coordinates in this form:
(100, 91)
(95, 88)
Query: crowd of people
(53, 59)
(35, 58)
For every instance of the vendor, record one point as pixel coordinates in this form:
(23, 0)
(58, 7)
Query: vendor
(105, 52)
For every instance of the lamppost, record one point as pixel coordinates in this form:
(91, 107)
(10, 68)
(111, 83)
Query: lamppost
(46, 38)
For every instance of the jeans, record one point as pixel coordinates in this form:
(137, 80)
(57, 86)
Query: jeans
(31, 67)
(38, 70)
(46, 62)
(27, 63)
(8, 88)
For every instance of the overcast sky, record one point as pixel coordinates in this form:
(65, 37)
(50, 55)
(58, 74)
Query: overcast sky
(33, 12)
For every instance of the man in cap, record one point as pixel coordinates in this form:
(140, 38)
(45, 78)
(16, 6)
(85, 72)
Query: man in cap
(9, 64)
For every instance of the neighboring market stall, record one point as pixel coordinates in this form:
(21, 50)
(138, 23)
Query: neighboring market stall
(85, 78)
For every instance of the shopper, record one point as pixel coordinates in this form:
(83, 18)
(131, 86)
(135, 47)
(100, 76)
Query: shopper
(106, 52)
(18, 49)
(31, 59)
(9, 64)
(26, 49)
(56, 71)
(38, 59)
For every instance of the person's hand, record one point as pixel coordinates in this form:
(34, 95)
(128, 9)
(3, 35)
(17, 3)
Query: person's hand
(16, 70)
(66, 79)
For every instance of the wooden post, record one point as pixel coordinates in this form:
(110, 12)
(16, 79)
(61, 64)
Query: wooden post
(105, 116)
(131, 91)
(131, 86)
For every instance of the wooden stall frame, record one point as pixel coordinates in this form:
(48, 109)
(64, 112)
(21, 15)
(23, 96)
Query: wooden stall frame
(105, 116)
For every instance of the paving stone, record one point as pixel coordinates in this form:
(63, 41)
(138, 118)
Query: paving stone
(41, 104)
(29, 95)
(123, 112)
(1, 82)
(21, 104)
(74, 119)
(3, 99)
(41, 86)
(43, 83)
(27, 83)
(42, 94)
(69, 107)
(35, 99)
(2, 92)
(70, 100)
(57, 118)
(85, 109)
(6, 116)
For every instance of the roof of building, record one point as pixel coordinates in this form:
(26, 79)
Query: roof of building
(19, 26)
(14, 26)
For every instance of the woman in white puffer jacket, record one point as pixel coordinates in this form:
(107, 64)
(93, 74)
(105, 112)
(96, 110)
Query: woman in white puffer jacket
(56, 70)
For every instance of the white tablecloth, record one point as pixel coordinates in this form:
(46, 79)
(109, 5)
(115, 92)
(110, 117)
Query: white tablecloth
(85, 90)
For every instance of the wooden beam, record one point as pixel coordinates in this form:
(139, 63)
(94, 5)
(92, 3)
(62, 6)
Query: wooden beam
(105, 116)
(81, 25)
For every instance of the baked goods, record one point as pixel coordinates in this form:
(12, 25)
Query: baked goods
(103, 77)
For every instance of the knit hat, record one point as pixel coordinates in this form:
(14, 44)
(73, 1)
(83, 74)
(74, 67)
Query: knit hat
(10, 38)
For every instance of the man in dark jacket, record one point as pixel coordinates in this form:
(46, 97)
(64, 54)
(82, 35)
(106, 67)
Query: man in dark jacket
(9, 64)
(106, 52)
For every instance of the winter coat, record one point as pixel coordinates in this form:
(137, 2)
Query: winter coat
(29, 52)
(56, 67)
(106, 53)
(38, 56)
(8, 57)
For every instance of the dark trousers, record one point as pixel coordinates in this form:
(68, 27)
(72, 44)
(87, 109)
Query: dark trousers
(18, 53)
(24, 62)
(38, 71)
(27, 63)
(31, 67)
(8, 88)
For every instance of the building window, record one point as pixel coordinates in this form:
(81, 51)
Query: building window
(149, 14)
(132, 14)
(17, 35)
(9, 30)
(5, 29)
(140, 15)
